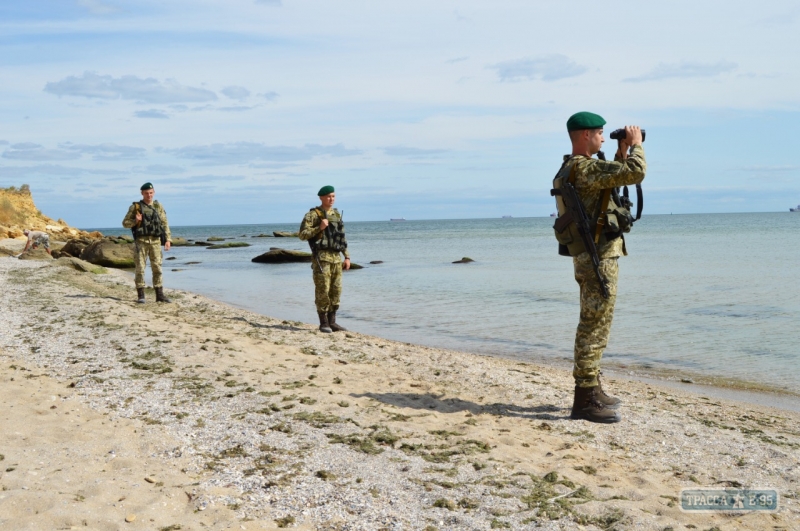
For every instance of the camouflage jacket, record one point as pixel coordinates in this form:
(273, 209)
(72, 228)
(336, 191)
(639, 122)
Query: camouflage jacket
(130, 221)
(592, 176)
(309, 228)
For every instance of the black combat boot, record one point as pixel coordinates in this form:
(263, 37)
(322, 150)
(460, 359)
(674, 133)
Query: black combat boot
(586, 406)
(160, 295)
(332, 321)
(609, 401)
(323, 323)
(140, 295)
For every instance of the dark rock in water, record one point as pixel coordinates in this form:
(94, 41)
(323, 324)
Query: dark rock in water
(177, 270)
(80, 265)
(464, 260)
(108, 253)
(35, 254)
(284, 234)
(243, 236)
(375, 262)
(263, 236)
(355, 266)
(227, 245)
(202, 243)
(215, 239)
(192, 263)
(171, 258)
(179, 242)
(282, 256)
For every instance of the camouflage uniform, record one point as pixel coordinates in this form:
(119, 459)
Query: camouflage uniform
(592, 177)
(148, 246)
(328, 279)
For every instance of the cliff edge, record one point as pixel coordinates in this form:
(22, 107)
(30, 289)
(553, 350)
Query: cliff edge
(18, 212)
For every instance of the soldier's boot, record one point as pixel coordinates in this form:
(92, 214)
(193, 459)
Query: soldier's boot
(140, 295)
(586, 406)
(609, 401)
(160, 297)
(323, 323)
(332, 321)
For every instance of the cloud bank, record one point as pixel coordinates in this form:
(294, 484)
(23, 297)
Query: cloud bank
(684, 70)
(545, 68)
(149, 90)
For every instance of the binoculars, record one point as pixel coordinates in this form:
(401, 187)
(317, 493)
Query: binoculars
(619, 134)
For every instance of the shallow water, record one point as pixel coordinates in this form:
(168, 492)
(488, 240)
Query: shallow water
(714, 294)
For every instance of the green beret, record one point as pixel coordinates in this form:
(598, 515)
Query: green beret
(325, 190)
(585, 120)
(146, 186)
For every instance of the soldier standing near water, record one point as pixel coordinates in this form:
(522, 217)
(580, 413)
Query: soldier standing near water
(148, 222)
(323, 229)
(595, 242)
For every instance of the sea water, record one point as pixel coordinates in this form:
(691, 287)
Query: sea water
(714, 294)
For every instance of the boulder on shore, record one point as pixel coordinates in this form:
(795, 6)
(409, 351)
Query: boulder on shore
(80, 265)
(282, 256)
(179, 242)
(464, 260)
(109, 253)
(75, 247)
(284, 234)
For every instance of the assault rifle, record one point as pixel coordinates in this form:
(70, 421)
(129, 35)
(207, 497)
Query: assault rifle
(576, 211)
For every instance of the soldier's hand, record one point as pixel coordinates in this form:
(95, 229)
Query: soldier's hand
(167, 246)
(346, 263)
(633, 135)
(138, 216)
(323, 224)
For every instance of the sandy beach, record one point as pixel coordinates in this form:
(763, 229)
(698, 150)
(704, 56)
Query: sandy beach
(197, 415)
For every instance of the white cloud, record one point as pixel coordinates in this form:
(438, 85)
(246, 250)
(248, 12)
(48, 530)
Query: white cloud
(684, 70)
(31, 151)
(158, 169)
(52, 170)
(97, 7)
(149, 90)
(152, 113)
(236, 108)
(546, 68)
(269, 96)
(412, 153)
(200, 179)
(107, 151)
(244, 152)
(236, 93)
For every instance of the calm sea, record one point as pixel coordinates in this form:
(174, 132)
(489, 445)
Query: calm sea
(715, 294)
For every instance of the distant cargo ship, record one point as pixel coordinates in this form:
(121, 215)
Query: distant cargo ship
(505, 217)
(553, 215)
(397, 219)
(795, 209)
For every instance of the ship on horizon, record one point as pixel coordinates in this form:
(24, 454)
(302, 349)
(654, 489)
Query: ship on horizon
(397, 219)
(795, 209)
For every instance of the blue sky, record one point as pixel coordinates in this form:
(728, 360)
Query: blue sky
(240, 110)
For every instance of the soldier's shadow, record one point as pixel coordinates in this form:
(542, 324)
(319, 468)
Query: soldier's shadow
(431, 402)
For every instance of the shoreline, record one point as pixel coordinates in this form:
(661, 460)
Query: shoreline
(256, 421)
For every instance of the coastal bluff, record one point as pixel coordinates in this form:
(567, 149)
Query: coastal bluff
(18, 212)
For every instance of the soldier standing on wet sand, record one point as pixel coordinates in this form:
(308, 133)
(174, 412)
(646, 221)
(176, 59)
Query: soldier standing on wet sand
(148, 222)
(323, 229)
(595, 181)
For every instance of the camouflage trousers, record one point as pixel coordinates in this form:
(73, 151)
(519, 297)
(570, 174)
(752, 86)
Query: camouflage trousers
(327, 285)
(597, 312)
(142, 250)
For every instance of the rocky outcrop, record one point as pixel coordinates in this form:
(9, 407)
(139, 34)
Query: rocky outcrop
(18, 212)
(282, 256)
(75, 247)
(35, 254)
(464, 260)
(109, 253)
(284, 234)
(80, 265)
(227, 245)
(179, 242)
